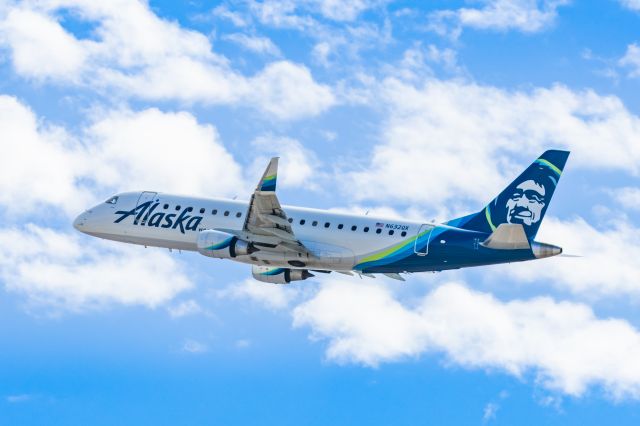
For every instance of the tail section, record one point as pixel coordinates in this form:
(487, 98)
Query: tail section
(524, 201)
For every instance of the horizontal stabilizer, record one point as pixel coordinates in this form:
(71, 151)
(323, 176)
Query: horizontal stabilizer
(508, 236)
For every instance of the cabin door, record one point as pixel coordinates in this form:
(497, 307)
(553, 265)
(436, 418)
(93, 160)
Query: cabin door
(421, 245)
(145, 197)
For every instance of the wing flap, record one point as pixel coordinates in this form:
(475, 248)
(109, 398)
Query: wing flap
(266, 222)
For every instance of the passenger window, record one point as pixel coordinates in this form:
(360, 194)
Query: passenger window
(404, 233)
(378, 231)
(302, 221)
(177, 207)
(327, 224)
(314, 223)
(166, 206)
(340, 226)
(238, 214)
(391, 232)
(366, 229)
(214, 211)
(354, 227)
(226, 213)
(201, 211)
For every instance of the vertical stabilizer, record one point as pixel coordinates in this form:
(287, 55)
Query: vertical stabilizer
(524, 201)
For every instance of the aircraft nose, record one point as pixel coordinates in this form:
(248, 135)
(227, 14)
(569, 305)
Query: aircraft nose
(80, 221)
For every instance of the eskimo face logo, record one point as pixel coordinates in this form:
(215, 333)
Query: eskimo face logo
(526, 203)
(145, 216)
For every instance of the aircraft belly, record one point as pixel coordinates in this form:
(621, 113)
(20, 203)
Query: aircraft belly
(323, 256)
(151, 241)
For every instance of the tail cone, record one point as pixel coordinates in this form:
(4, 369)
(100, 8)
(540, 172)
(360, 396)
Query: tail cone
(541, 250)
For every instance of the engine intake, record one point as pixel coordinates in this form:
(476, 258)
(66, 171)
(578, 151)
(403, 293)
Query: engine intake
(223, 245)
(271, 275)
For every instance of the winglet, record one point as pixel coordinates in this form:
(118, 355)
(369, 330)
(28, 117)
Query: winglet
(268, 181)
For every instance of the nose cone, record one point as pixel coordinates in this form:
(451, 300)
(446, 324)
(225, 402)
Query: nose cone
(80, 222)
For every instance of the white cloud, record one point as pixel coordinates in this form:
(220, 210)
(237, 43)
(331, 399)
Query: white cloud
(631, 4)
(294, 14)
(243, 343)
(194, 347)
(339, 33)
(280, 14)
(235, 18)
(66, 271)
(185, 308)
(155, 150)
(121, 150)
(287, 91)
(40, 47)
(610, 265)
(40, 164)
(321, 52)
(464, 141)
(627, 197)
(502, 15)
(344, 10)
(24, 397)
(177, 78)
(565, 346)
(490, 411)
(417, 62)
(271, 296)
(297, 166)
(631, 60)
(262, 45)
(134, 53)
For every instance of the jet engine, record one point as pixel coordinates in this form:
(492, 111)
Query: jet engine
(222, 245)
(279, 275)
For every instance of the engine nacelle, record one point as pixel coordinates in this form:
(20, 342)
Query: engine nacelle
(222, 245)
(271, 275)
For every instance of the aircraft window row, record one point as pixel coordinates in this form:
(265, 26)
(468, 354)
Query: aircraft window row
(340, 226)
(202, 210)
(226, 212)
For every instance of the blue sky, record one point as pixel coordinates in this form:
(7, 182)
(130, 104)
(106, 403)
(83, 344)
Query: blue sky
(408, 109)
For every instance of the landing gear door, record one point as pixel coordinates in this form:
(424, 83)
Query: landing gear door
(421, 245)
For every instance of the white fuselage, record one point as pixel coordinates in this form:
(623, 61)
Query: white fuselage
(174, 222)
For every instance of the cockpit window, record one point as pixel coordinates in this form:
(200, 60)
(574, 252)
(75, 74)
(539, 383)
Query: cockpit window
(112, 200)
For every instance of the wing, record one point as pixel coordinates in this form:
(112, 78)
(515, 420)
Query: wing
(266, 223)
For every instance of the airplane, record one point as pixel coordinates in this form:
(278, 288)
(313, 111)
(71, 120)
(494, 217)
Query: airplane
(286, 243)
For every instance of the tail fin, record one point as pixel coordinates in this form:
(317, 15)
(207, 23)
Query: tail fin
(524, 201)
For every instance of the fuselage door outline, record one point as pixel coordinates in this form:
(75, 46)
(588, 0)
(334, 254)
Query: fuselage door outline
(146, 196)
(423, 228)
